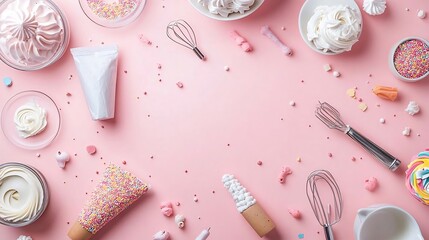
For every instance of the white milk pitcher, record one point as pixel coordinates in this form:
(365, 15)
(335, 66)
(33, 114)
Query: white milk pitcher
(385, 222)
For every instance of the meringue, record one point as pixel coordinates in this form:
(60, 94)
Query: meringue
(31, 32)
(30, 120)
(161, 235)
(243, 199)
(22, 237)
(374, 7)
(334, 29)
(180, 220)
(226, 7)
(412, 108)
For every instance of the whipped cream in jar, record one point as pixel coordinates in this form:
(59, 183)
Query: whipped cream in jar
(33, 33)
(23, 194)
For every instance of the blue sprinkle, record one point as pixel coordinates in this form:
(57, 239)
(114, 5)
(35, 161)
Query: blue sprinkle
(7, 81)
(301, 236)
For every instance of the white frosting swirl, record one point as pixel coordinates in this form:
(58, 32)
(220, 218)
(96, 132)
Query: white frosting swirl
(21, 194)
(243, 199)
(412, 108)
(334, 28)
(31, 32)
(22, 237)
(30, 120)
(374, 7)
(225, 7)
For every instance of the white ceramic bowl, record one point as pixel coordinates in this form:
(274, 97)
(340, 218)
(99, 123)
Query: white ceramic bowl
(307, 11)
(392, 64)
(233, 16)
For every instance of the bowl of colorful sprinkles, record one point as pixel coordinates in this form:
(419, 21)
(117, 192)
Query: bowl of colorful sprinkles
(409, 59)
(112, 13)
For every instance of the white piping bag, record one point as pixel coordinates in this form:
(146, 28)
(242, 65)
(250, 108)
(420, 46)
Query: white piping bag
(97, 68)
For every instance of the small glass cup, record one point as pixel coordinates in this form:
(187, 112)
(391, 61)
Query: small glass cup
(45, 202)
(50, 58)
(395, 71)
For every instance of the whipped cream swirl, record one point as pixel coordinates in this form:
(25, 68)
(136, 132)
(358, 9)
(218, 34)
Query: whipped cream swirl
(374, 7)
(226, 7)
(243, 199)
(30, 120)
(334, 29)
(30, 32)
(21, 194)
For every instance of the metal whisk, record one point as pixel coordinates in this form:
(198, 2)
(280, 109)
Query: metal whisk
(180, 32)
(327, 215)
(331, 118)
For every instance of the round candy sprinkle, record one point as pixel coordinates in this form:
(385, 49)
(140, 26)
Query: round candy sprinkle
(7, 81)
(112, 10)
(411, 59)
(91, 149)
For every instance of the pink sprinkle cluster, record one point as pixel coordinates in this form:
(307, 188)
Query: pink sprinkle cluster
(118, 190)
(411, 59)
(112, 10)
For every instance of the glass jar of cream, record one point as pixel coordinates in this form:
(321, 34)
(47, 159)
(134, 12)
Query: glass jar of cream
(23, 194)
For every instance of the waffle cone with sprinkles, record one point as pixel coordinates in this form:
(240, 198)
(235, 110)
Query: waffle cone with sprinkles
(118, 190)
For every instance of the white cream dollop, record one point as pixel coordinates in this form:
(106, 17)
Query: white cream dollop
(243, 199)
(21, 194)
(226, 7)
(22, 237)
(31, 32)
(30, 120)
(374, 7)
(334, 28)
(412, 108)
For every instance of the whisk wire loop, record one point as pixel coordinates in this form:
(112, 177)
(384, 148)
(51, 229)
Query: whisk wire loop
(324, 214)
(330, 116)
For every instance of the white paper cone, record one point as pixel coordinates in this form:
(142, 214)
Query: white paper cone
(97, 69)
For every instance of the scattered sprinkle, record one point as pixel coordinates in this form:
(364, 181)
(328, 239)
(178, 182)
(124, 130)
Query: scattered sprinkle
(91, 149)
(159, 66)
(68, 94)
(195, 199)
(407, 9)
(37, 154)
(226, 68)
(144, 40)
(259, 163)
(330, 155)
(301, 236)
(421, 14)
(371, 184)
(292, 103)
(382, 120)
(179, 84)
(363, 107)
(294, 213)
(406, 131)
(353, 159)
(351, 92)
(284, 173)
(327, 67)
(298, 159)
(283, 28)
(177, 203)
(7, 81)
(124, 162)
(336, 74)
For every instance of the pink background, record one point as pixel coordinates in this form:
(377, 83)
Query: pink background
(224, 122)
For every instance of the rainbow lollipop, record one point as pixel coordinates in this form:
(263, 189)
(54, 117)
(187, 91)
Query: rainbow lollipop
(417, 177)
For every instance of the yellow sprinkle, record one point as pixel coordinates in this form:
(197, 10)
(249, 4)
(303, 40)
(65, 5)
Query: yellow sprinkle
(351, 92)
(363, 107)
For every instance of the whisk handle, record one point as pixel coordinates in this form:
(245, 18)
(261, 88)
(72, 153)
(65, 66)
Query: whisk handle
(384, 157)
(329, 235)
(199, 53)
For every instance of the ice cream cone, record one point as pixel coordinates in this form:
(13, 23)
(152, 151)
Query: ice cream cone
(77, 232)
(258, 219)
